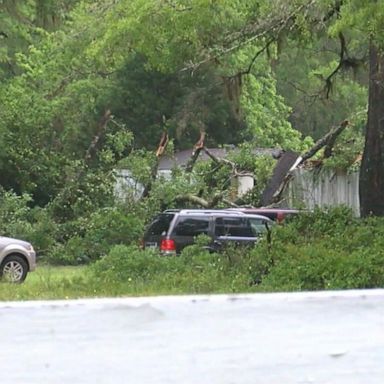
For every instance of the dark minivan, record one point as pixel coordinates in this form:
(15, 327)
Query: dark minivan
(173, 230)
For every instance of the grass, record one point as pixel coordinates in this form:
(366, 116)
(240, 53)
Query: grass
(62, 283)
(49, 282)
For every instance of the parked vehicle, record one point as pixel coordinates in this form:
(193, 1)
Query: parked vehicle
(275, 214)
(173, 230)
(17, 258)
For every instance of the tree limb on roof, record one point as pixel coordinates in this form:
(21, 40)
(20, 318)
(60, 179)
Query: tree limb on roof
(282, 173)
(328, 140)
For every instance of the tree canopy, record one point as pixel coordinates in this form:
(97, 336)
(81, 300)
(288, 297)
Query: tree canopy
(84, 83)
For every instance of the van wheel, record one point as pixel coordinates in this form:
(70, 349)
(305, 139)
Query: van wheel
(14, 269)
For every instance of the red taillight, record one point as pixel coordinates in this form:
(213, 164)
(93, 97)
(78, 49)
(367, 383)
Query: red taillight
(168, 245)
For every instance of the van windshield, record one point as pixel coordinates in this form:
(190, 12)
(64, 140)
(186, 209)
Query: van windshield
(160, 224)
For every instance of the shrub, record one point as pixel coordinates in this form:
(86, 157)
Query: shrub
(194, 271)
(319, 267)
(18, 220)
(93, 237)
(129, 263)
(324, 250)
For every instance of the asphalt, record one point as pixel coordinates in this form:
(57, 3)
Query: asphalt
(299, 338)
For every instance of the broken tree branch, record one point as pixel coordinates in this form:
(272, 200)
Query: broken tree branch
(159, 152)
(327, 140)
(163, 144)
(220, 161)
(282, 173)
(199, 200)
(196, 152)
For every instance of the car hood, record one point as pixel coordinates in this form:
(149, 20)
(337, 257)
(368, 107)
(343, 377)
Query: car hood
(4, 241)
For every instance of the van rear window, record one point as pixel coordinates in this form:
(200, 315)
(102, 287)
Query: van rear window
(160, 224)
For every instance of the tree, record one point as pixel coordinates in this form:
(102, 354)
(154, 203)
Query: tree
(372, 167)
(367, 17)
(262, 26)
(190, 66)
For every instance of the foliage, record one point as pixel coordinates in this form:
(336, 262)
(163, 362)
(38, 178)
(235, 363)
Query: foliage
(260, 166)
(324, 250)
(346, 153)
(266, 115)
(89, 87)
(194, 271)
(93, 238)
(316, 251)
(316, 106)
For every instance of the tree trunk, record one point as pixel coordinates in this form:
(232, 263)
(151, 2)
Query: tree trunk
(372, 165)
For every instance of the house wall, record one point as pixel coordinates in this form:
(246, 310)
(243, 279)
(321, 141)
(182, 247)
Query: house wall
(323, 188)
(126, 186)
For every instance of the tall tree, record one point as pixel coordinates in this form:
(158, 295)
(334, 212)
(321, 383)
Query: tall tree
(372, 166)
(368, 17)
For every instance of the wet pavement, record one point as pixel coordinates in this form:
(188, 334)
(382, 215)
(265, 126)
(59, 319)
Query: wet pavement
(298, 338)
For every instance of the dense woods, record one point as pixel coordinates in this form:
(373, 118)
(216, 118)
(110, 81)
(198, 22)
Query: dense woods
(88, 87)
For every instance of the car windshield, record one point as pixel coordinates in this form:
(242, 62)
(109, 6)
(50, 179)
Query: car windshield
(160, 224)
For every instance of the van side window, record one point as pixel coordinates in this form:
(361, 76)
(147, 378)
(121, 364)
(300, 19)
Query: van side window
(191, 226)
(233, 227)
(258, 226)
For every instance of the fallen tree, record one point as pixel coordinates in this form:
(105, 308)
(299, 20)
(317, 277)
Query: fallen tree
(283, 171)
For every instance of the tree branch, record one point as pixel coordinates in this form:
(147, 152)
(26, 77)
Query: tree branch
(328, 80)
(258, 53)
(327, 140)
(251, 33)
(199, 200)
(196, 152)
(101, 128)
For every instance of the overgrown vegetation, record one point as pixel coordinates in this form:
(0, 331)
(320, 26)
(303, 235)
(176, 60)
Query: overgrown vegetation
(319, 251)
(88, 87)
(328, 249)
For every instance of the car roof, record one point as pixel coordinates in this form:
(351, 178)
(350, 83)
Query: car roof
(209, 212)
(212, 212)
(270, 210)
(219, 212)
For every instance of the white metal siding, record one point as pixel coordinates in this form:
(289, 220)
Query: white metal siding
(324, 188)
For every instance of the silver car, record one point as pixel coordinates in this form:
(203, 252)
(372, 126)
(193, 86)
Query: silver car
(17, 258)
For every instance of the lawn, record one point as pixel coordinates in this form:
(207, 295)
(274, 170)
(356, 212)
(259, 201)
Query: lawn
(49, 282)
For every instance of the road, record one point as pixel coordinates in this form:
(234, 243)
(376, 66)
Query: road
(298, 338)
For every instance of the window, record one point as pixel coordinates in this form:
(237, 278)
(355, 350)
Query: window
(233, 226)
(160, 224)
(258, 226)
(191, 226)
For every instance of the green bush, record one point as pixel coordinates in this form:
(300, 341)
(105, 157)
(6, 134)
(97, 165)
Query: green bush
(128, 263)
(323, 250)
(93, 237)
(109, 227)
(18, 220)
(319, 267)
(194, 271)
